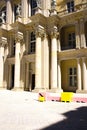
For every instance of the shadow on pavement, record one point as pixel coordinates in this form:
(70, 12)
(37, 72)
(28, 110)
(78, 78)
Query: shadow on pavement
(75, 120)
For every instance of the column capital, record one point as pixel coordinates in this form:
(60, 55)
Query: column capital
(3, 41)
(54, 32)
(18, 36)
(39, 31)
(84, 58)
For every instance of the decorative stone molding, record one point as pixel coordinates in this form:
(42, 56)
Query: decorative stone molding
(3, 41)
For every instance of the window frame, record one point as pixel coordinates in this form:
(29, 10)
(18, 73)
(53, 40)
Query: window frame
(71, 39)
(32, 42)
(70, 6)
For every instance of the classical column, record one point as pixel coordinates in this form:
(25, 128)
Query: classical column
(82, 34)
(54, 59)
(3, 41)
(29, 8)
(84, 70)
(9, 12)
(59, 76)
(24, 4)
(18, 38)
(79, 81)
(77, 35)
(45, 62)
(38, 64)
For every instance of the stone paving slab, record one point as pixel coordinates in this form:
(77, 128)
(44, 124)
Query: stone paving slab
(23, 111)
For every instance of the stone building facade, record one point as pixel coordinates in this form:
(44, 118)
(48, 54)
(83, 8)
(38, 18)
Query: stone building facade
(43, 45)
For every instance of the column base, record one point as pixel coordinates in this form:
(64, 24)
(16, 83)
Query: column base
(2, 88)
(18, 89)
(81, 91)
(36, 90)
(56, 90)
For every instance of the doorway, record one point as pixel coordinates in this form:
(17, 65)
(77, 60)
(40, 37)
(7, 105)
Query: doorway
(33, 82)
(12, 76)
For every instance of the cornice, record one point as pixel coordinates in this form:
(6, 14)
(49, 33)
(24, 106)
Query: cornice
(71, 18)
(53, 20)
(36, 20)
(72, 54)
(17, 27)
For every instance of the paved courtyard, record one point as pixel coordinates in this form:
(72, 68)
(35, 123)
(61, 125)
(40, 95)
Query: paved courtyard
(22, 111)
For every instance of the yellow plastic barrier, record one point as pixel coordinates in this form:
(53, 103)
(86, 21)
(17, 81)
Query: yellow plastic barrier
(41, 99)
(66, 96)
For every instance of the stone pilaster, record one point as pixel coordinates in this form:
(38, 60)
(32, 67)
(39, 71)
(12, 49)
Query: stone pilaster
(82, 34)
(54, 59)
(84, 75)
(9, 12)
(18, 38)
(79, 81)
(77, 35)
(3, 42)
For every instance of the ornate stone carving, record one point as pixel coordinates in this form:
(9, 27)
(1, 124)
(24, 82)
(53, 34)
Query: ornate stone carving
(18, 10)
(53, 4)
(39, 31)
(54, 32)
(18, 37)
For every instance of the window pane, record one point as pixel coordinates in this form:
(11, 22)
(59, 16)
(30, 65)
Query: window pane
(70, 71)
(75, 71)
(70, 81)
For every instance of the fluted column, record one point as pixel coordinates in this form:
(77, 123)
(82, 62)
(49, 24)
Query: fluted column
(38, 76)
(9, 12)
(82, 34)
(79, 81)
(3, 41)
(18, 38)
(84, 70)
(54, 59)
(77, 34)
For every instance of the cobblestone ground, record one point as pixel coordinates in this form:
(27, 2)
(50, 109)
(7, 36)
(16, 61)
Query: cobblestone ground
(22, 111)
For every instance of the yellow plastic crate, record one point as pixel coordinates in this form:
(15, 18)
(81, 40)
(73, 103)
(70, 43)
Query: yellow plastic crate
(66, 96)
(41, 99)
